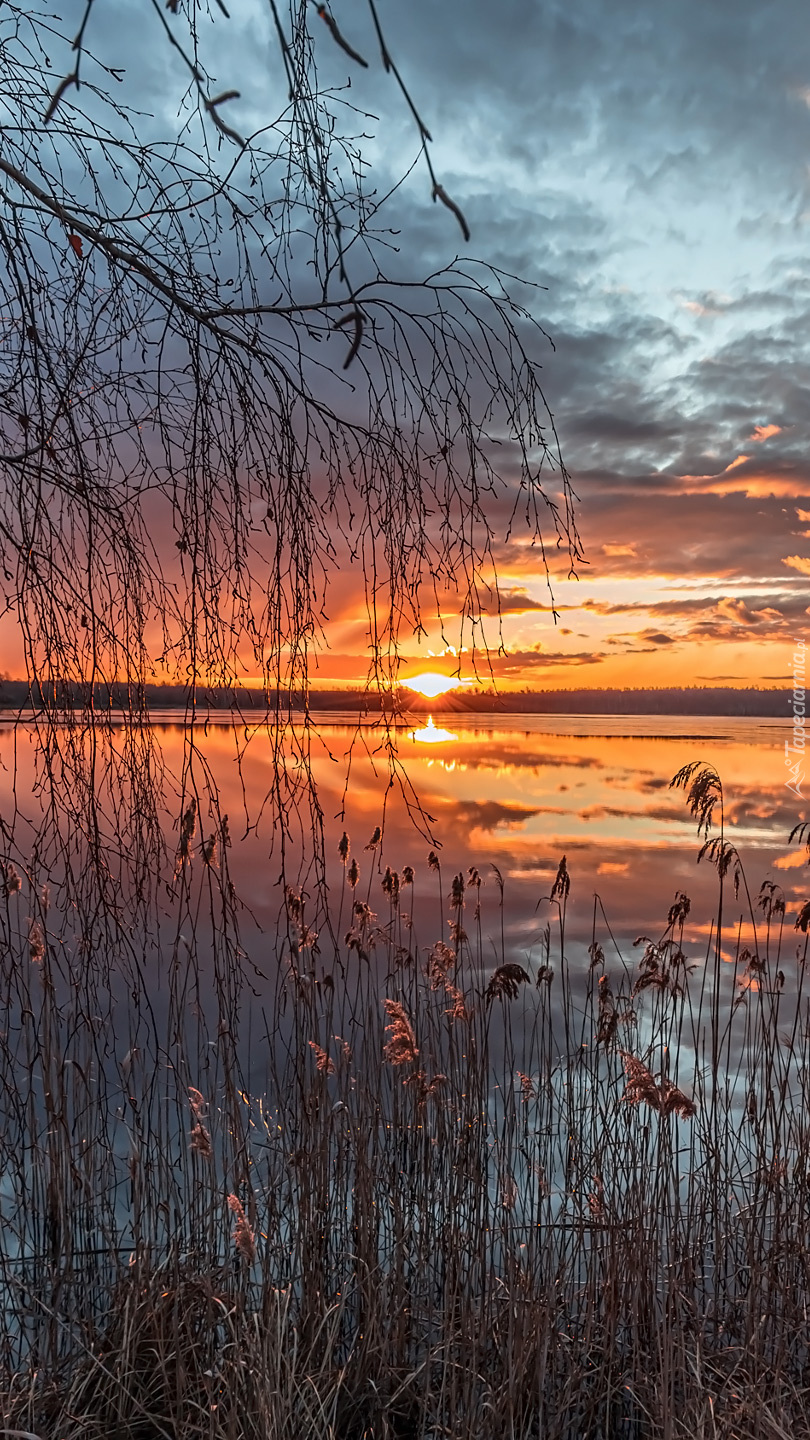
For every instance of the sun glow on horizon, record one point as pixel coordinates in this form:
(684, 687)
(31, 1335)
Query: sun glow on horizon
(431, 683)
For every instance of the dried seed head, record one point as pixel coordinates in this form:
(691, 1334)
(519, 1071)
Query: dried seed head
(640, 1083)
(506, 982)
(12, 882)
(390, 885)
(295, 904)
(243, 1236)
(562, 882)
(595, 1203)
(641, 1086)
(197, 1103)
(200, 1141)
(343, 847)
(424, 1088)
(323, 1062)
(674, 1099)
(680, 908)
(457, 1009)
(457, 933)
(440, 959)
(345, 1047)
(188, 825)
(400, 1048)
(36, 942)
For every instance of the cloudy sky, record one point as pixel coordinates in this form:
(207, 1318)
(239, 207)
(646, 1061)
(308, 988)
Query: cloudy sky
(649, 165)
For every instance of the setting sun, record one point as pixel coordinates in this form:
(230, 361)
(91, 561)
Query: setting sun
(431, 683)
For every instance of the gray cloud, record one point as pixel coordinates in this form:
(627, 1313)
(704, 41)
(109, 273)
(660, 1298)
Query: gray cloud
(647, 165)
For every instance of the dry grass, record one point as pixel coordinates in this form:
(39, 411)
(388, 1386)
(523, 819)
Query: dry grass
(572, 1202)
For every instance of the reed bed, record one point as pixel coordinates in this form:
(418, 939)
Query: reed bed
(416, 1191)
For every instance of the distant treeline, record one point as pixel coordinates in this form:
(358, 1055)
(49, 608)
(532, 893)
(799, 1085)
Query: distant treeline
(671, 700)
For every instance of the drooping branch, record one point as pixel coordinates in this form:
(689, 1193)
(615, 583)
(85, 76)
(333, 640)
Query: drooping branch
(213, 399)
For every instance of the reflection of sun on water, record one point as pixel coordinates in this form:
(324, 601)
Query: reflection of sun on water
(431, 734)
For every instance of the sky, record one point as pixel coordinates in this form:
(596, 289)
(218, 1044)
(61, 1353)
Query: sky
(649, 166)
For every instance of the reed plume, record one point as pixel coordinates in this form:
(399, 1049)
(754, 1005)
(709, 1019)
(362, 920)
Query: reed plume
(400, 1048)
(243, 1236)
(36, 942)
(641, 1086)
(323, 1062)
(506, 982)
(200, 1141)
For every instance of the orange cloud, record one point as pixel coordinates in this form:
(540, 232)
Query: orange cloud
(797, 562)
(619, 550)
(738, 611)
(750, 483)
(764, 432)
(752, 487)
(793, 861)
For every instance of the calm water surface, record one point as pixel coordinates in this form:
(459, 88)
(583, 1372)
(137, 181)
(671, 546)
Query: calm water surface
(515, 792)
(519, 792)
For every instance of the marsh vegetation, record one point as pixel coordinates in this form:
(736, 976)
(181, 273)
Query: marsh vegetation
(469, 1198)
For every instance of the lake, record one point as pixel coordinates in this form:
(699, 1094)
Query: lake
(513, 792)
(171, 1045)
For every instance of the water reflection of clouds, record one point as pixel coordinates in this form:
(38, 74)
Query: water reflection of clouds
(494, 794)
(794, 860)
